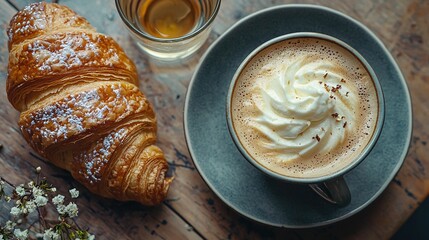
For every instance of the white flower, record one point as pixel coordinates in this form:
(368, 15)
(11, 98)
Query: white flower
(31, 206)
(20, 191)
(31, 184)
(37, 192)
(15, 211)
(72, 210)
(53, 189)
(38, 169)
(1, 237)
(21, 235)
(61, 209)
(59, 199)
(9, 225)
(91, 237)
(41, 201)
(50, 235)
(74, 193)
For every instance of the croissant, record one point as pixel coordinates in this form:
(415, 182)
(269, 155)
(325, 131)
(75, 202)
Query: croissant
(80, 105)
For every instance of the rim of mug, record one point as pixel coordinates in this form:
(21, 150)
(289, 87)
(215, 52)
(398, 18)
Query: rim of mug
(308, 180)
(138, 32)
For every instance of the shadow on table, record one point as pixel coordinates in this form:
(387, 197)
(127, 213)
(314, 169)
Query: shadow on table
(417, 226)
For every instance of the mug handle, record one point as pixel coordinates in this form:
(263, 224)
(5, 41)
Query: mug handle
(334, 191)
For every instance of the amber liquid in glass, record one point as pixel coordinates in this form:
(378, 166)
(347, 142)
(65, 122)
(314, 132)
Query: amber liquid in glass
(169, 18)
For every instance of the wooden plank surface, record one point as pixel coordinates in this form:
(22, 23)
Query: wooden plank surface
(192, 211)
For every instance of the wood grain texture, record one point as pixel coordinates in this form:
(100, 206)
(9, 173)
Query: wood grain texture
(192, 210)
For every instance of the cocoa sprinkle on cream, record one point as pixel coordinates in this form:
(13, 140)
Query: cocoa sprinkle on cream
(316, 137)
(334, 89)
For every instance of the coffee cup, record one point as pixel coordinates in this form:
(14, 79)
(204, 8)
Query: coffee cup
(306, 108)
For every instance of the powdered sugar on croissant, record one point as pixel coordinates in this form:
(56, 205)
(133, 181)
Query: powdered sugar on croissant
(80, 106)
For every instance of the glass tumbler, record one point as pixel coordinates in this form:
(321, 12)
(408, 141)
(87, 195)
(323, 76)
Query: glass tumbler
(169, 49)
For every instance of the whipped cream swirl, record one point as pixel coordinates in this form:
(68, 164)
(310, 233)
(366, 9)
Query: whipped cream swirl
(305, 107)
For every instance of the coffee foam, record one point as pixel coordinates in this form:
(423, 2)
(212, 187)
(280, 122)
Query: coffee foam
(322, 157)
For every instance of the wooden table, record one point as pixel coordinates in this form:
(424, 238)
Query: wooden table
(192, 210)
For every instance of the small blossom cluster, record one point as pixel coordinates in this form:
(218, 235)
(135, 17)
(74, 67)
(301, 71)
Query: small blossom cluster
(30, 198)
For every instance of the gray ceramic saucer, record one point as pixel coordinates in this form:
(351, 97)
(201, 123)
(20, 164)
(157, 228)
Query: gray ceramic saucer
(243, 187)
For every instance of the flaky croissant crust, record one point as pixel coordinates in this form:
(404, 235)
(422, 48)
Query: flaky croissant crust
(80, 106)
